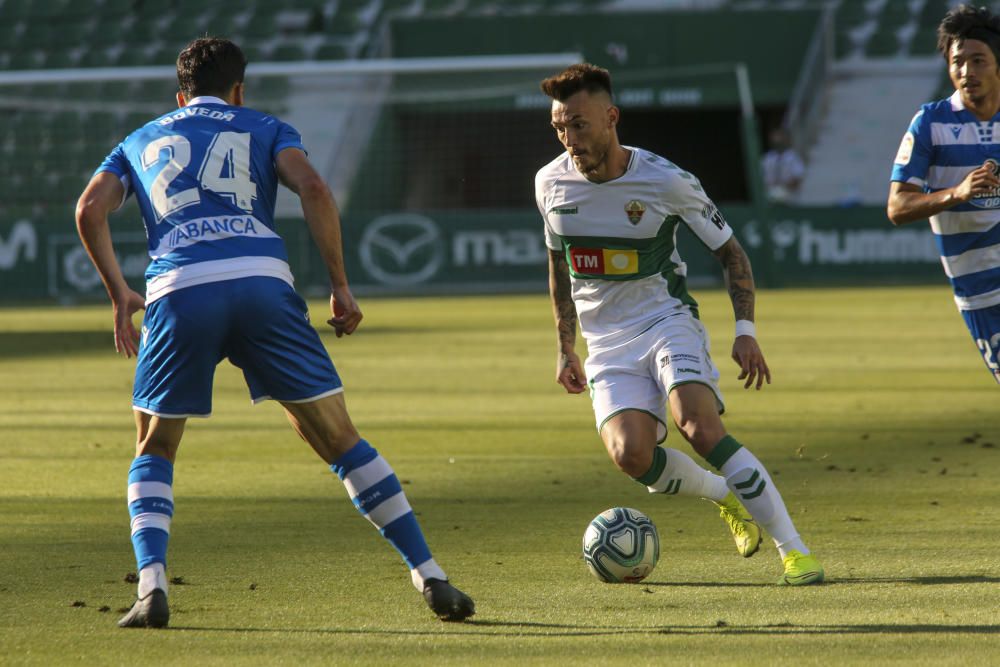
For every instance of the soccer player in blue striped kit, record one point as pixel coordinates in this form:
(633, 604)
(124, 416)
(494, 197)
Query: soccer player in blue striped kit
(947, 170)
(205, 178)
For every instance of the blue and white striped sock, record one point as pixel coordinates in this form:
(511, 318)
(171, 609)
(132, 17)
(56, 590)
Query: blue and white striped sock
(151, 506)
(375, 491)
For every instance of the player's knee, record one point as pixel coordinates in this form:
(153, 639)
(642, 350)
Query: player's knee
(702, 434)
(631, 459)
(154, 444)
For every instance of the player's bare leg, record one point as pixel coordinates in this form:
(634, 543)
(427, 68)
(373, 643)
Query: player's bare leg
(630, 439)
(151, 507)
(696, 413)
(376, 492)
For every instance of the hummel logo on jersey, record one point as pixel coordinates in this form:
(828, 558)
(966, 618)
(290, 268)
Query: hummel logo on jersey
(602, 261)
(566, 211)
(634, 210)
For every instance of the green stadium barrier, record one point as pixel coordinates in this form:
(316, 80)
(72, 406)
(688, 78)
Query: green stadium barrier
(647, 52)
(483, 251)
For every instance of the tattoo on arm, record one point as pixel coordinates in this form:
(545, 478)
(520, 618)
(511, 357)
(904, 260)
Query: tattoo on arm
(562, 300)
(739, 278)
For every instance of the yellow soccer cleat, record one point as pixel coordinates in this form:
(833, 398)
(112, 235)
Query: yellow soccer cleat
(801, 570)
(745, 530)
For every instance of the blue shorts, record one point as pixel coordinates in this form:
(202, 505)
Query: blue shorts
(261, 324)
(984, 325)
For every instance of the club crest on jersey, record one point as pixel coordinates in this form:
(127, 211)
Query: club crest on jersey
(992, 198)
(634, 210)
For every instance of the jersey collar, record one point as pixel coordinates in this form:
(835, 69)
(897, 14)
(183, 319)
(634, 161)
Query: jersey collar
(956, 101)
(207, 99)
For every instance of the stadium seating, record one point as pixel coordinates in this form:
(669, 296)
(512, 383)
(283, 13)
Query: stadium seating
(142, 32)
(109, 33)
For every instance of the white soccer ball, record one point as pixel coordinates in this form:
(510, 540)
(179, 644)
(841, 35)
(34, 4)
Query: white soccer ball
(621, 545)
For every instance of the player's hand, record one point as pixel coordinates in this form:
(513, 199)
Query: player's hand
(978, 183)
(569, 373)
(125, 303)
(346, 313)
(747, 355)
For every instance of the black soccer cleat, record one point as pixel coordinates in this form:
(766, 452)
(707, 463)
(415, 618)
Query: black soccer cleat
(449, 603)
(148, 612)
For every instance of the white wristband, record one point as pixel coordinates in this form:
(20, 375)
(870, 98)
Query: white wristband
(745, 328)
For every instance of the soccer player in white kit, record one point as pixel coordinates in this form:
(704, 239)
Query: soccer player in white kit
(611, 214)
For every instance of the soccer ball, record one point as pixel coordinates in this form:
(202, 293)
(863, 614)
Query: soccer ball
(621, 546)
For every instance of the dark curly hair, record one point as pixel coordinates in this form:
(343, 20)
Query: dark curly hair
(210, 66)
(573, 79)
(967, 22)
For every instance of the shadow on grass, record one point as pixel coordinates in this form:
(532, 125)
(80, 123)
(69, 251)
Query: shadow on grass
(26, 344)
(533, 629)
(705, 584)
(23, 344)
(924, 581)
(939, 580)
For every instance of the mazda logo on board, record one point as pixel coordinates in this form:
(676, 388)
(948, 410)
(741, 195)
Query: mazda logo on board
(402, 249)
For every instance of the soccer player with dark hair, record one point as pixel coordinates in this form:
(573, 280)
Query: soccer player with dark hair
(205, 178)
(611, 215)
(946, 170)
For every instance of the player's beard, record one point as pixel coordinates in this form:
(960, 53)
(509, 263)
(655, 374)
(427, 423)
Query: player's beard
(592, 160)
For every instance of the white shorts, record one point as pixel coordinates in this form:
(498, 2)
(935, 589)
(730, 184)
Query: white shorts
(640, 374)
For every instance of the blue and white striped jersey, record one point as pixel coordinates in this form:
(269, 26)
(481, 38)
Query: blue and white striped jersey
(943, 144)
(205, 181)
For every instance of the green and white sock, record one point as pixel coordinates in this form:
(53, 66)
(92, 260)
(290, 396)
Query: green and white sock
(749, 480)
(675, 473)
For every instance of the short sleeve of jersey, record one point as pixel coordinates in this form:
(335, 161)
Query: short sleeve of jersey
(685, 197)
(287, 137)
(552, 241)
(117, 164)
(913, 158)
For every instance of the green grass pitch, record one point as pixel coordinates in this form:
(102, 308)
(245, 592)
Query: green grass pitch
(881, 429)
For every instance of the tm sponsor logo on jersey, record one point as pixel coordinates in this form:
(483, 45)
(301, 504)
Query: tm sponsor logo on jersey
(992, 198)
(602, 261)
(211, 229)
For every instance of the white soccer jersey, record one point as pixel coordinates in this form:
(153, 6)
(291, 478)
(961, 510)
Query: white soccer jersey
(620, 241)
